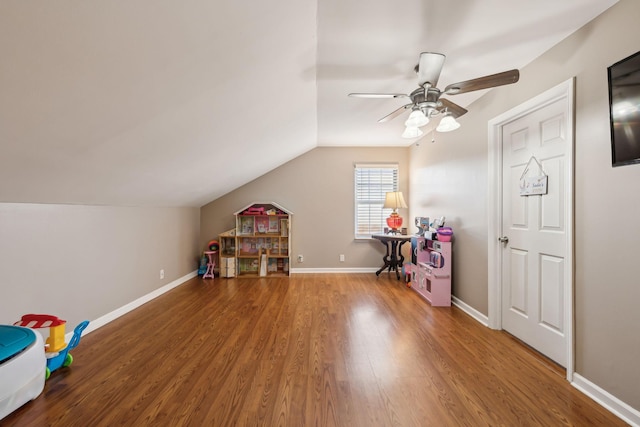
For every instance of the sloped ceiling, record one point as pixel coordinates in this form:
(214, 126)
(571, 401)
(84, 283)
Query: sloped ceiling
(165, 103)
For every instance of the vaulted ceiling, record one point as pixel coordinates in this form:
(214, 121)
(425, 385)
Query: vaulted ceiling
(165, 103)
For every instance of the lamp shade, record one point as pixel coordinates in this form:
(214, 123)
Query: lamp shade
(447, 124)
(416, 119)
(394, 200)
(412, 132)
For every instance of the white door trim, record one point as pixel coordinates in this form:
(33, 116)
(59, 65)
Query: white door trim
(494, 196)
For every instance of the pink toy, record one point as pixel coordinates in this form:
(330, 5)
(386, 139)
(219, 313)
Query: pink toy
(210, 264)
(254, 211)
(445, 234)
(431, 276)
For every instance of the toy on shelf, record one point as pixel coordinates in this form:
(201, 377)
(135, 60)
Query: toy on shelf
(255, 211)
(213, 246)
(56, 349)
(422, 222)
(445, 234)
(428, 229)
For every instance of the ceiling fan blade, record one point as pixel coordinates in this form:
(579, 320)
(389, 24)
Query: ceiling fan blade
(453, 108)
(395, 113)
(429, 68)
(486, 82)
(378, 95)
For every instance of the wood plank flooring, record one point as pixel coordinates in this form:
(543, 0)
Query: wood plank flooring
(312, 349)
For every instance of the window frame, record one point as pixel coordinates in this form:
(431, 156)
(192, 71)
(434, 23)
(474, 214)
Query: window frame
(373, 223)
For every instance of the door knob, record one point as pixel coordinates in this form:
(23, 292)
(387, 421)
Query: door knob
(503, 239)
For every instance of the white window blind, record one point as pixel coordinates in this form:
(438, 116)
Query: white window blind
(372, 182)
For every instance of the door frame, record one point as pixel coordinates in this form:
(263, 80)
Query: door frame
(494, 198)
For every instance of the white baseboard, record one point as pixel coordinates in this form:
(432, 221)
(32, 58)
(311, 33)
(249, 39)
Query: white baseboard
(109, 317)
(333, 270)
(606, 399)
(599, 395)
(470, 311)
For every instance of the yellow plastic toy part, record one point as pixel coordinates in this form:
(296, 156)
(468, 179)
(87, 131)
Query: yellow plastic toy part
(56, 342)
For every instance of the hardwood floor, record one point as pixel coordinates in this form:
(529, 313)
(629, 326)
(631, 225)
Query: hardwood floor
(313, 349)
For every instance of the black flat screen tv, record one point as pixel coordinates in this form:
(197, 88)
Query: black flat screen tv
(624, 110)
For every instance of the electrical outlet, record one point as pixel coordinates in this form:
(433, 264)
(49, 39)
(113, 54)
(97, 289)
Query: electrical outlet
(161, 274)
(341, 257)
(300, 258)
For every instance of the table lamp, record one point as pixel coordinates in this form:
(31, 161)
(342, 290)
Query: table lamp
(394, 200)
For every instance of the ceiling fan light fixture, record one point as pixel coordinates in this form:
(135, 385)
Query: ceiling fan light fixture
(426, 102)
(416, 119)
(412, 132)
(447, 124)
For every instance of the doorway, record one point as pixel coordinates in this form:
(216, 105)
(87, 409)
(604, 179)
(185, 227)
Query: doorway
(530, 237)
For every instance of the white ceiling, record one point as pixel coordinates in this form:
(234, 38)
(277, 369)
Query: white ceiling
(165, 103)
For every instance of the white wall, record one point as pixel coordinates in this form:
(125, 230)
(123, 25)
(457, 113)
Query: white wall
(82, 262)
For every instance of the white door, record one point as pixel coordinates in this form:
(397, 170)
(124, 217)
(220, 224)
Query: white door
(531, 275)
(535, 248)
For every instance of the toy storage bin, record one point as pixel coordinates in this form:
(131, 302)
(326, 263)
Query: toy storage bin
(22, 367)
(445, 234)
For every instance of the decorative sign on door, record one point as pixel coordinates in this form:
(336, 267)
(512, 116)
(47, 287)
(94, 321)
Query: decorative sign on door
(533, 185)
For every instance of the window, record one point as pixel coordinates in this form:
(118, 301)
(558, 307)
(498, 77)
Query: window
(372, 182)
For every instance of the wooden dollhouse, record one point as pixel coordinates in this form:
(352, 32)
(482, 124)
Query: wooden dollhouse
(260, 243)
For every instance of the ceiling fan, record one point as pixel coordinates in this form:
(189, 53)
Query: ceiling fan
(425, 100)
